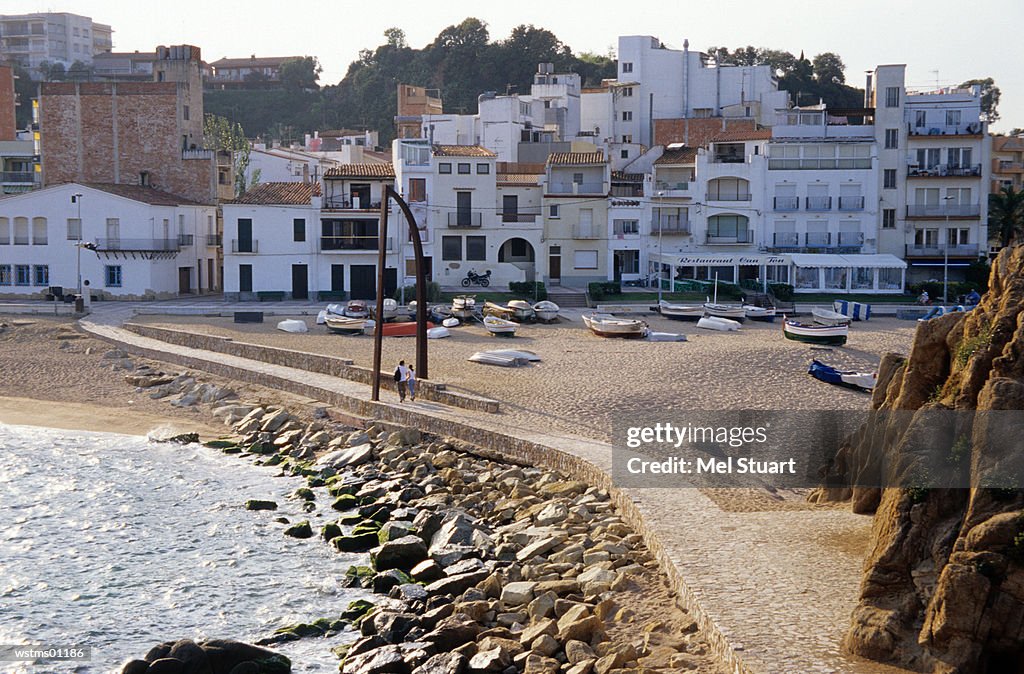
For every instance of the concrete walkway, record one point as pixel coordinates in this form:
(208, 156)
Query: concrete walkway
(774, 590)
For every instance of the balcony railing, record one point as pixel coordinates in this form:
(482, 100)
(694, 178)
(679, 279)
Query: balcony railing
(739, 238)
(785, 164)
(851, 238)
(245, 246)
(670, 226)
(1010, 166)
(940, 211)
(818, 239)
(462, 219)
(358, 243)
(577, 188)
(580, 231)
(669, 187)
(519, 217)
(787, 203)
(137, 245)
(851, 203)
(197, 154)
(944, 171)
(720, 196)
(819, 203)
(938, 250)
(186, 240)
(730, 159)
(971, 129)
(786, 239)
(347, 202)
(18, 177)
(213, 239)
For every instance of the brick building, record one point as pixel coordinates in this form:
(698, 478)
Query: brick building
(131, 133)
(8, 101)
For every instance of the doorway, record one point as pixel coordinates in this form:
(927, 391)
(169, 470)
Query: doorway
(300, 282)
(363, 282)
(184, 280)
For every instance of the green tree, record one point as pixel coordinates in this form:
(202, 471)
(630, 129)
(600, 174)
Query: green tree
(396, 38)
(25, 88)
(80, 72)
(221, 134)
(301, 73)
(1006, 216)
(989, 97)
(829, 69)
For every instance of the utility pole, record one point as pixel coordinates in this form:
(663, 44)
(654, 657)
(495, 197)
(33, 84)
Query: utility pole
(76, 199)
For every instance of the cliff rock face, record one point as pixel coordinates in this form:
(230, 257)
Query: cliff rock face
(943, 586)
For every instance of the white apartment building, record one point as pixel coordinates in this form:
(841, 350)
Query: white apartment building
(575, 207)
(128, 241)
(53, 37)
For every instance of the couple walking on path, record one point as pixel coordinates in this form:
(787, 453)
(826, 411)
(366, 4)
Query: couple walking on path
(405, 379)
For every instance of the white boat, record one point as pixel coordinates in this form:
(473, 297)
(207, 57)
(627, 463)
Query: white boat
(680, 312)
(546, 310)
(720, 324)
(451, 322)
(345, 325)
(356, 309)
(828, 317)
(521, 310)
(766, 314)
(292, 325)
(499, 327)
(439, 332)
(494, 309)
(606, 325)
(834, 335)
(321, 317)
(335, 309)
(858, 311)
(665, 337)
(516, 353)
(390, 309)
(715, 310)
(501, 360)
(463, 306)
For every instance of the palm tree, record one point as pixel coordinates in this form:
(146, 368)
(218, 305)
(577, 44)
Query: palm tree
(1006, 216)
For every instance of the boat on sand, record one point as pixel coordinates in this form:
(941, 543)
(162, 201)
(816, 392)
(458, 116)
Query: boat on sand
(546, 311)
(811, 333)
(499, 327)
(606, 325)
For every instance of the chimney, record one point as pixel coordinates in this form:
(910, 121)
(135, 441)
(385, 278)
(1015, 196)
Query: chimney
(867, 91)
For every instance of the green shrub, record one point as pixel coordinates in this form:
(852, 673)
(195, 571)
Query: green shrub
(971, 345)
(782, 291)
(599, 290)
(960, 450)
(433, 292)
(536, 291)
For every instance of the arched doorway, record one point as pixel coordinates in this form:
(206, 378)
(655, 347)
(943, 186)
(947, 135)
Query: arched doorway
(516, 250)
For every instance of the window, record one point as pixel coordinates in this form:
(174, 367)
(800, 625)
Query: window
(626, 226)
(624, 154)
(22, 275)
(483, 169)
(729, 227)
(464, 169)
(958, 236)
(417, 189)
(920, 119)
(112, 276)
(630, 261)
(888, 218)
(958, 157)
(74, 229)
(38, 231)
(959, 195)
(627, 67)
(5, 275)
(444, 168)
(20, 231)
(627, 138)
(298, 229)
(476, 248)
(627, 115)
(892, 97)
(585, 259)
(627, 91)
(245, 278)
(451, 248)
(184, 112)
(553, 211)
(952, 118)
(114, 228)
(892, 139)
(577, 178)
(5, 232)
(889, 179)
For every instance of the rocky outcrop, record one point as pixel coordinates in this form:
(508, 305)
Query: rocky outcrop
(216, 656)
(943, 587)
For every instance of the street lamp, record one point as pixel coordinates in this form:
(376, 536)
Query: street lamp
(76, 199)
(945, 255)
(661, 229)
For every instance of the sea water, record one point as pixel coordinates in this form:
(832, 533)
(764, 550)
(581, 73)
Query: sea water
(115, 543)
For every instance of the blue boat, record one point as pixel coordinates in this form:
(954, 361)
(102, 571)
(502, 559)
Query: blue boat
(862, 381)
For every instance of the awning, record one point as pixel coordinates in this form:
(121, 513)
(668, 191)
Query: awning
(718, 259)
(883, 260)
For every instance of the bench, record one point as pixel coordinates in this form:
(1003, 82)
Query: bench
(270, 295)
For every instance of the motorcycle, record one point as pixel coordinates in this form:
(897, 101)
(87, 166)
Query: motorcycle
(472, 278)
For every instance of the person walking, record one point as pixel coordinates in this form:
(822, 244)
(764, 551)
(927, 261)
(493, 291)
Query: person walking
(401, 380)
(412, 383)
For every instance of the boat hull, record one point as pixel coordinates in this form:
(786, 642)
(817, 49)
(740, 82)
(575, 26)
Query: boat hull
(404, 329)
(725, 311)
(811, 334)
(830, 318)
(612, 327)
(718, 323)
(500, 327)
(345, 326)
(680, 312)
(763, 314)
(546, 311)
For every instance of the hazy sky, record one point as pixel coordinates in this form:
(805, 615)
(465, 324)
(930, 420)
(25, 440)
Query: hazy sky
(960, 39)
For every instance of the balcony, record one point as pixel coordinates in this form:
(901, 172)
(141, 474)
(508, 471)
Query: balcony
(519, 217)
(670, 189)
(938, 211)
(340, 244)
(464, 220)
(577, 188)
(185, 240)
(740, 238)
(1009, 167)
(851, 239)
(671, 226)
(946, 130)
(346, 202)
(725, 196)
(18, 177)
(582, 231)
(944, 171)
(198, 153)
(818, 239)
(213, 239)
(851, 203)
(819, 203)
(936, 250)
(786, 203)
(137, 245)
(245, 246)
(786, 239)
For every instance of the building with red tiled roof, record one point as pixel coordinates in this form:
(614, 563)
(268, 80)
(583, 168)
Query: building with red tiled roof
(577, 158)
(462, 151)
(266, 194)
(376, 170)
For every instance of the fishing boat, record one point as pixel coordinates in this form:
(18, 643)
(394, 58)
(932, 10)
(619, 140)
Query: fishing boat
(680, 312)
(812, 333)
(521, 310)
(716, 310)
(390, 309)
(720, 324)
(356, 309)
(403, 329)
(344, 325)
(494, 309)
(497, 358)
(292, 325)
(766, 314)
(516, 353)
(664, 337)
(606, 325)
(440, 312)
(546, 311)
(439, 332)
(828, 317)
(451, 322)
(464, 306)
(499, 327)
(864, 381)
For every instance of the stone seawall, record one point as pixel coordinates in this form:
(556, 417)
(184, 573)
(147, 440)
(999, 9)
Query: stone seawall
(310, 362)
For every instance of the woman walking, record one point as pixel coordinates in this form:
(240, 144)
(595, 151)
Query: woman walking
(412, 383)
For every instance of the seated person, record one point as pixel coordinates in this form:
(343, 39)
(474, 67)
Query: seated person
(923, 298)
(972, 297)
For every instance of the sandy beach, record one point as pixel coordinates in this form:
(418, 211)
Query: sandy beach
(585, 383)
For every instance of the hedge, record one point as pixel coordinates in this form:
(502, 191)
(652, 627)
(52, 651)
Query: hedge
(599, 290)
(535, 291)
